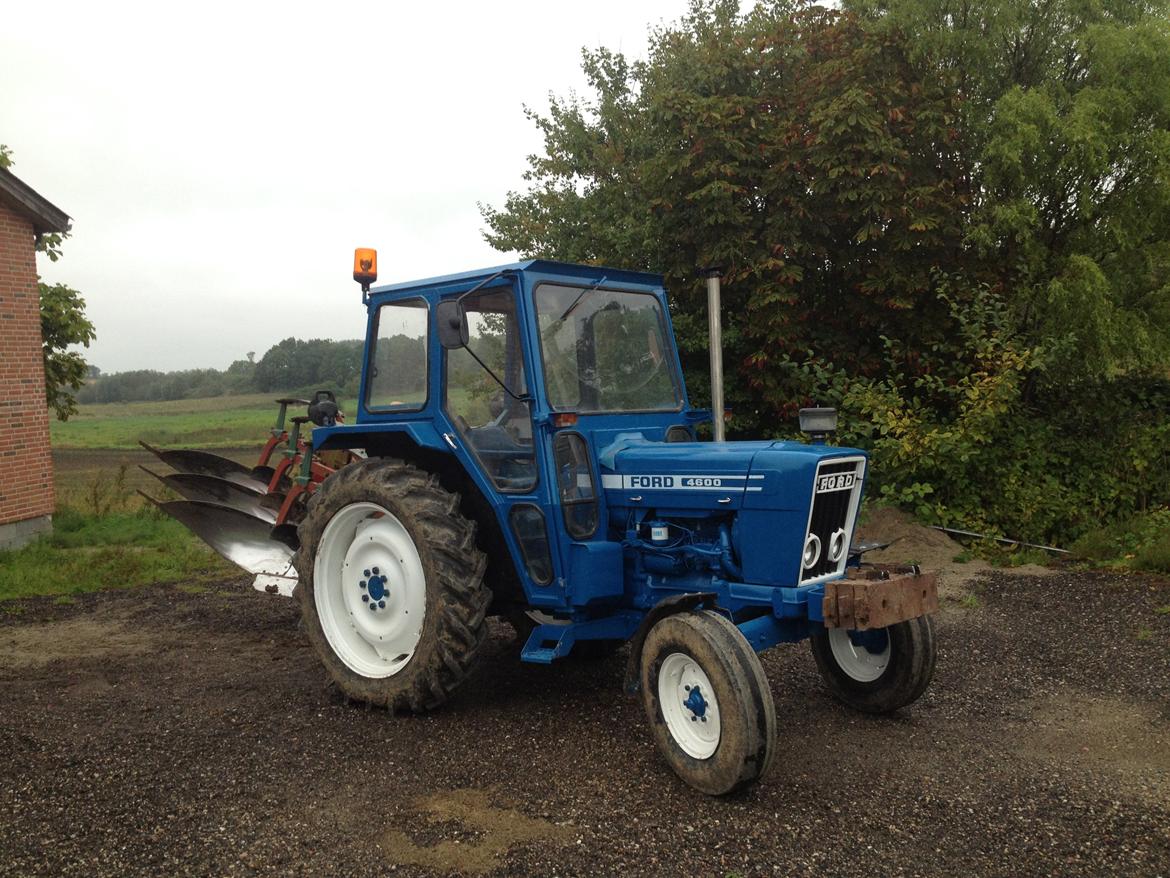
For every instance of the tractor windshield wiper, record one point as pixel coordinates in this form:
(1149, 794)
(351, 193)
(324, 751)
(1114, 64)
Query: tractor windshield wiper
(508, 390)
(581, 295)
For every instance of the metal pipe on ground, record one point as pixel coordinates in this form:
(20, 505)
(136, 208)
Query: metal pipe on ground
(969, 533)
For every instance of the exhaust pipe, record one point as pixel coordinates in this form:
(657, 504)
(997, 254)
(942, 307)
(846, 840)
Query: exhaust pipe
(715, 345)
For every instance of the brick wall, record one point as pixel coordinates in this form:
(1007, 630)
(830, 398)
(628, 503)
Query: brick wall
(26, 464)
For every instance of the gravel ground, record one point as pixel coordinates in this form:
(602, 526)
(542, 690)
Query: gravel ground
(168, 731)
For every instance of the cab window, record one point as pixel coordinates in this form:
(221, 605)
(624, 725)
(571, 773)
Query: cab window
(397, 376)
(495, 425)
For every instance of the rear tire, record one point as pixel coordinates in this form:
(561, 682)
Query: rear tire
(382, 540)
(877, 671)
(708, 702)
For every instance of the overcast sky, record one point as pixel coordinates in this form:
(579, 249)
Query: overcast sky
(221, 161)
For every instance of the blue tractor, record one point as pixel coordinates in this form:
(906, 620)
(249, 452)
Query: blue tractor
(524, 447)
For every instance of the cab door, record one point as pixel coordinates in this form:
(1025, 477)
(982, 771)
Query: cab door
(486, 399)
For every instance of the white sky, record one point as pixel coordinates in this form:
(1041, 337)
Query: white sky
(221, 161)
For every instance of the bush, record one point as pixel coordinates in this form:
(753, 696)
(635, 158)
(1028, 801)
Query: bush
(1140, 542)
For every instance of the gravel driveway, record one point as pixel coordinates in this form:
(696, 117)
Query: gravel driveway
(182, 732)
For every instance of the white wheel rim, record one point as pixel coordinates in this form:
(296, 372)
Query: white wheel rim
(856, 660)
(370, 590)
(689, 706)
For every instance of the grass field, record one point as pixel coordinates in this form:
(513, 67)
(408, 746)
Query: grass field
(104, 534)
(119, 549)
(219, 422)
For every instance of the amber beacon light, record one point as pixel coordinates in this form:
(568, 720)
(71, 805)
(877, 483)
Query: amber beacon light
(365, 267)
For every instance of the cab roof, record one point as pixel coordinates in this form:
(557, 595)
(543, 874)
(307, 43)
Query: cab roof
(537, 266)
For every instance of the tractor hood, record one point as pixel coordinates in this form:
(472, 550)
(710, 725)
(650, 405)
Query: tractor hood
(677, 475)
(709, 475)
(775, 494)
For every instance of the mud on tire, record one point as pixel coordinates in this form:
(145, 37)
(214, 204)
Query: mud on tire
(453, 630)
(712, 650)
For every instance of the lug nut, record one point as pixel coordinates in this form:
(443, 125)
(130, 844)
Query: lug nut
(362, 584)
(365, 573)
(382, 605)
(375, 569)
(365, 597)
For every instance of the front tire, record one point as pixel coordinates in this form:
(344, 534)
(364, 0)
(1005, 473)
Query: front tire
(710, 709)
(877, 671)
(391, 585)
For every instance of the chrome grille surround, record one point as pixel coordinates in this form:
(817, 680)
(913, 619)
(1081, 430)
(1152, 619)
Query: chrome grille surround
(834, 507)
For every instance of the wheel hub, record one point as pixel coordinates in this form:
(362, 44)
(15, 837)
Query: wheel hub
(375, 587)
(696, 704)
(862, 655)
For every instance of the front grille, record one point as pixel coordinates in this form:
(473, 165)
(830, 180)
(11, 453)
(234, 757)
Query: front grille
(833, 510)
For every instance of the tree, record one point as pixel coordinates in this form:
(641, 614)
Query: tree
(791, 146)
(952, 220)
(1065, 125)
(63, 324)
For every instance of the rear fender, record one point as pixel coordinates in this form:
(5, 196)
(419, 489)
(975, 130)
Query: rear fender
(421, 445)
(371, 438)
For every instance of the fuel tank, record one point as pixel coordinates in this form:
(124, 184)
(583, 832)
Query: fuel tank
(776, 496)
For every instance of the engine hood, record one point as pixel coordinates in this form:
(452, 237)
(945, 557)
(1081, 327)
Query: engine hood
(774, 494)
(710, 475)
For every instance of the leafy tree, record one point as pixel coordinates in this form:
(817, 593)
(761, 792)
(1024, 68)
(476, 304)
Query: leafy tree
(63, 324)
(791, 146)
(1065, 128)
(950, 219)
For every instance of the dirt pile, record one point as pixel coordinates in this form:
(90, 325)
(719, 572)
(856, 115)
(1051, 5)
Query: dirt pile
(914, 543)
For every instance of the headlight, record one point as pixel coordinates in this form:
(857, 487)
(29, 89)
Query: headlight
(812, 551)
(818, 423)
(837, 545)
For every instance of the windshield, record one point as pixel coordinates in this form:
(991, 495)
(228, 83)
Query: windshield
(605, 351)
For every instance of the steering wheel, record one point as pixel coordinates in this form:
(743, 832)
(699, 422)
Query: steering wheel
(659, 363)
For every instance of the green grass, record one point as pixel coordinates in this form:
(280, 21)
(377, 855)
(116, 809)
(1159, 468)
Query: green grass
(103, 535)
(218, 422)
(88, 552)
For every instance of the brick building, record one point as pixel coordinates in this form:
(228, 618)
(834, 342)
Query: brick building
(26, 464)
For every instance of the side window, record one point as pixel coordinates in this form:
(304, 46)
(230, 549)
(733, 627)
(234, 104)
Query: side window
(575, 483)
(497, 427)
(528, 526)
(397, 376)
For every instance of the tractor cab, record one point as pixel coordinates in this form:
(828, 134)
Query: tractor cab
(526, 373)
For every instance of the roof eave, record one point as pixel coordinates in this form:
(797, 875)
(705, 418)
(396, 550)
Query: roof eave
(45, 216)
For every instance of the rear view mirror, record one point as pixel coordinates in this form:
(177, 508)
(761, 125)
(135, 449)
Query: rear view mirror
(452, 321)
